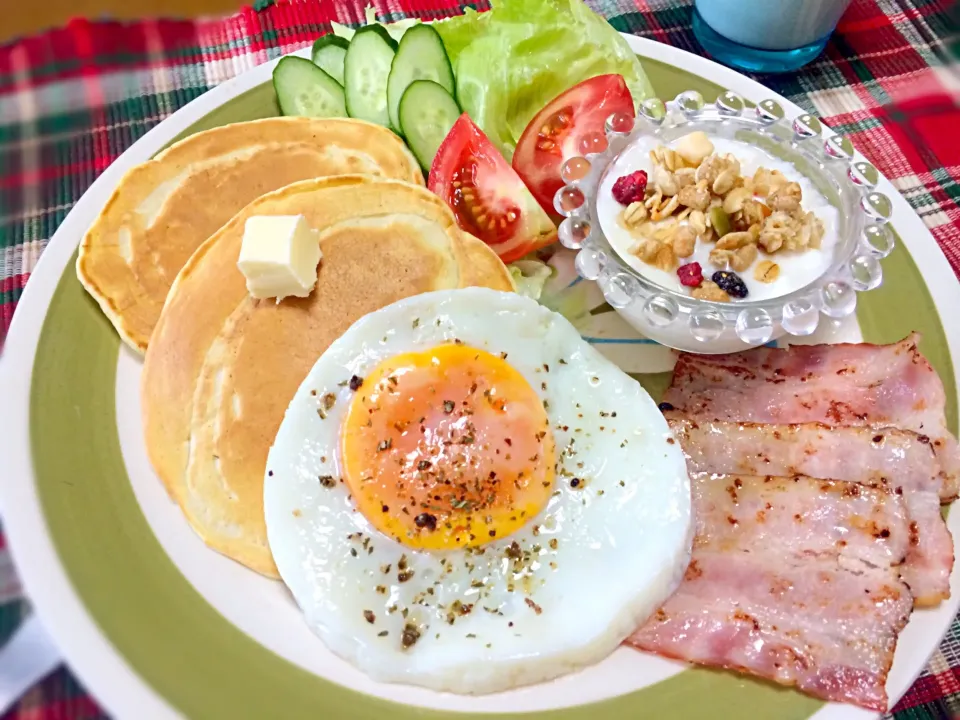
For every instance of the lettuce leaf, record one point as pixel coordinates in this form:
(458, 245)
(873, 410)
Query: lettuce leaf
(530, 276)
(394, 29)
(515, 58)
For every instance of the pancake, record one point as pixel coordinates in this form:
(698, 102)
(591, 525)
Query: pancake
(164, 209)
(222, 367)
(482, 266)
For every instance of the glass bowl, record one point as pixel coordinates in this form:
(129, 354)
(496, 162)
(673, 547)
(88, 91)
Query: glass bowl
(678, 320)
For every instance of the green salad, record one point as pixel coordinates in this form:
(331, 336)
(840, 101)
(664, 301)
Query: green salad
(491, 104)
(514, 59)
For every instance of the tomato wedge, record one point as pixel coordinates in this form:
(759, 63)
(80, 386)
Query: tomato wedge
(487, 197)
(554, 135)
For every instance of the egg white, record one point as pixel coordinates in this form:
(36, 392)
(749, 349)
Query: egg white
(623, 536)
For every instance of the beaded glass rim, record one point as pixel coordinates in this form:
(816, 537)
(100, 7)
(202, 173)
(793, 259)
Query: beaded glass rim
(865, 236)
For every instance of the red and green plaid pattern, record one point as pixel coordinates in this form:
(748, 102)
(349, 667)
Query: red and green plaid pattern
(72, 100)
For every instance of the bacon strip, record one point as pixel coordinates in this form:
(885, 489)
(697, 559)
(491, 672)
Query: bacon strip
(791, 579)
(856, 454)
(857, 385)
(893, 458)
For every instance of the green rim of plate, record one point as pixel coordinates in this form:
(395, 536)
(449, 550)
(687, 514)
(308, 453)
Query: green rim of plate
(200, 663)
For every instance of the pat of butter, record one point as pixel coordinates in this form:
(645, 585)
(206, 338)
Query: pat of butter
(279, 256)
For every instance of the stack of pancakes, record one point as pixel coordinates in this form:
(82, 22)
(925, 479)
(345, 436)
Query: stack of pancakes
(221, 367)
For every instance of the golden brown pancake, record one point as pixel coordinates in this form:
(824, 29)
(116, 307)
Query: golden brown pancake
(222, 367)
(482, 267)
(164, 209)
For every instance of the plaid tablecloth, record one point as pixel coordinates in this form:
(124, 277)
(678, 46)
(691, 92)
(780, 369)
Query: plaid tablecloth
(72, 100)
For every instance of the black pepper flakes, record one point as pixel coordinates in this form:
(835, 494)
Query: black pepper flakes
(575, 483)
(356, 382)
(533, 606)
(448, 406)
(665, 407)
(369, 616)
(327, 481)
(426, 521)
(410, 636)
(385, 445)
(382, 633)
(384, 508)
(553, 544)
(404, 575)
(424, 465)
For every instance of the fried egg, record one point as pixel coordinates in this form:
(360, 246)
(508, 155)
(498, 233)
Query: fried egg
(466, 496)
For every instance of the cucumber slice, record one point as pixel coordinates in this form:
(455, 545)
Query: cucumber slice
(365, 72)
(427, 112)
(420, 56)
(329, 53)
(304, 89)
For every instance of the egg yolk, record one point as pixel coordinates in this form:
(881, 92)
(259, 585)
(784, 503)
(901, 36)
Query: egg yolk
(447, 448)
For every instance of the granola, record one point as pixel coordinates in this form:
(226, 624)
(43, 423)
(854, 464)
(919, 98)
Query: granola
(697, 195)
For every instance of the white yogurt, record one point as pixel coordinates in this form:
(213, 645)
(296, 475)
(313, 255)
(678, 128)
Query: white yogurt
(797, 269)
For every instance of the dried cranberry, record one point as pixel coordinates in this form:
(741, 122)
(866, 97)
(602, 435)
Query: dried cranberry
(630, 188)
(691, 274)
(731, 283)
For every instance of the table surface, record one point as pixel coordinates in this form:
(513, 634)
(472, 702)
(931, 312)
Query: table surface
(75, 98)
(26, 18)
